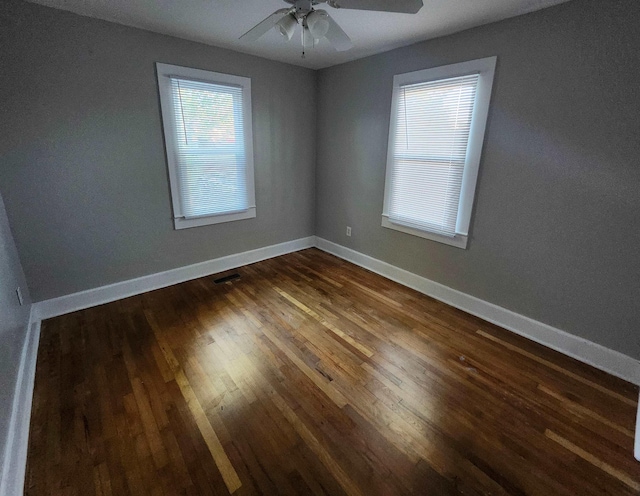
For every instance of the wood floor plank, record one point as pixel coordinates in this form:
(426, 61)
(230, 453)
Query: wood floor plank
(316, 447)
(366, 351)
(618, 474)
(585, 411)
(558, 368)
(211, 439)
(309, 375)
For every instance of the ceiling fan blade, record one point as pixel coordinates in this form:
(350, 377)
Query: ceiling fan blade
(401, 6)
(262, 27)
(337, 37)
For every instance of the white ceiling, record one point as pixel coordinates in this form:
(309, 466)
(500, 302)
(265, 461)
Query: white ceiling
(222, 22)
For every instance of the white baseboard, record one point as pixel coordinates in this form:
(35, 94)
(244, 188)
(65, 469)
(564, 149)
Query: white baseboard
(636, 450)
(15, 459)
(613, 362)
(105, 294)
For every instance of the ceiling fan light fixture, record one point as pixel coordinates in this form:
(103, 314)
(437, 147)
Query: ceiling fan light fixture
(286, 26)
(318, 23)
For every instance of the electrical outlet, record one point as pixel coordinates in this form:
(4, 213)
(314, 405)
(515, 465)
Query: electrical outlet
(19, 293)
(348, 231)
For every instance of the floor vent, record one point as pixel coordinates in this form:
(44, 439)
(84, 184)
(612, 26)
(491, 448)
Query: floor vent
(230, 277)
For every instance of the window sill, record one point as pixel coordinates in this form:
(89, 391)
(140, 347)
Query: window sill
(459, 241)
(182, 223)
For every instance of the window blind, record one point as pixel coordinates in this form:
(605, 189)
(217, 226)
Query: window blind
(210, 147)
(432, 127)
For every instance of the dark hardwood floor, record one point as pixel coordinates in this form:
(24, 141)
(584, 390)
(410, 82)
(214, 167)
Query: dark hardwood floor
(309, 375)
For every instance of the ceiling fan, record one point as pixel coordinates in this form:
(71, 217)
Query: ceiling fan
(318, 24)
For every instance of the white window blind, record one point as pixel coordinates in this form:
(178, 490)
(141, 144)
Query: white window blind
(433, 123)
(436, 131)
(211, 159)
(207, 127)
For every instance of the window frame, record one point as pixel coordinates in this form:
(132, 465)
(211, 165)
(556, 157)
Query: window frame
(164, 74)
(485, 68)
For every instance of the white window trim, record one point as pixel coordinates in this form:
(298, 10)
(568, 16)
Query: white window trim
(164, 86)
(486, 70)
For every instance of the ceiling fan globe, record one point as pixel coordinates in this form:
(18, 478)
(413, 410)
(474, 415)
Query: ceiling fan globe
(318, 23)
(287, 26)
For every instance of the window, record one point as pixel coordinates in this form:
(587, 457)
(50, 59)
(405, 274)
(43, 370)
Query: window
(208, 138)
(437, 125)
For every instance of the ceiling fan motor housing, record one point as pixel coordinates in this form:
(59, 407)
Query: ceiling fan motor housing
(303, 7)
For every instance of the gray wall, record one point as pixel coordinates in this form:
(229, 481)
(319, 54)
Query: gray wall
(13, 324)
(556, 228)
(82, 161)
